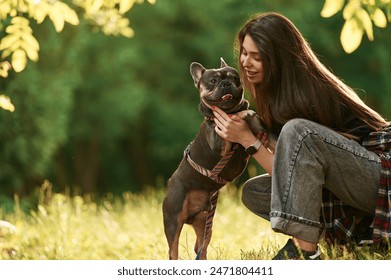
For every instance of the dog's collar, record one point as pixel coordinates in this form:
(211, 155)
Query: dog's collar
(208, 114)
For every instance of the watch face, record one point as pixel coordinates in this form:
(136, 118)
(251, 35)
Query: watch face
(251, 150)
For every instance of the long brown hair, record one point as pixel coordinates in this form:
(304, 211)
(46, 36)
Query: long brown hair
(295, 83)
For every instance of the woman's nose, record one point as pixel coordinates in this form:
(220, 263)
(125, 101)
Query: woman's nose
(246, 62)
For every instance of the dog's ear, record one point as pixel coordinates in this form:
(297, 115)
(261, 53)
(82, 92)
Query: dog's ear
(223, 63)
(196, 71)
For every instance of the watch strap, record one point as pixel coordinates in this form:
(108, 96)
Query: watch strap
(254, 147)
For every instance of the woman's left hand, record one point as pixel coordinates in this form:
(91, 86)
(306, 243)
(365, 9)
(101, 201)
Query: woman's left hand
(233, 128)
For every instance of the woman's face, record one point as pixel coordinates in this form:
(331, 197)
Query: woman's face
(250, 59)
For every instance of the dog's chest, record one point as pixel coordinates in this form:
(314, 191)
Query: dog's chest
(206, 151)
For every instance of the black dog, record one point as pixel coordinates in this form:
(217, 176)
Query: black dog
(209, 162)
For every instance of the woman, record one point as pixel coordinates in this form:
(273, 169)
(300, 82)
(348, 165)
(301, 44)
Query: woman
(322, 155)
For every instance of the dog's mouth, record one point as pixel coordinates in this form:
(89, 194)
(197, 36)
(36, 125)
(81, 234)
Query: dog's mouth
(227, 97)
(224, 98)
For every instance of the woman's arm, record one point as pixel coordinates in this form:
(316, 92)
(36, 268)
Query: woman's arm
(236, 130)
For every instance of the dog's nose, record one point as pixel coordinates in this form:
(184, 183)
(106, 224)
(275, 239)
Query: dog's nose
(225, 84)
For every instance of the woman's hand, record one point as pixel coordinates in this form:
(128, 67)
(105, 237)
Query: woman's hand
(233, 128)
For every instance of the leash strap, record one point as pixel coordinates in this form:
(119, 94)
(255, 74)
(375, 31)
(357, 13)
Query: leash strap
(221, 164)
(209, 221)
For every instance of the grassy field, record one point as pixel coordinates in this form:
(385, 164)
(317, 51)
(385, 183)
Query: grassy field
(130, 227)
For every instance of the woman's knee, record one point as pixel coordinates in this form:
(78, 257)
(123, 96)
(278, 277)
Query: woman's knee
(295, 131)
(256, 195)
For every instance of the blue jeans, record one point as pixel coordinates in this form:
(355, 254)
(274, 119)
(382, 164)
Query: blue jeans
(308, 157)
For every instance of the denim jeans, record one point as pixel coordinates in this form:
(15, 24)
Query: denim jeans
(308, 157)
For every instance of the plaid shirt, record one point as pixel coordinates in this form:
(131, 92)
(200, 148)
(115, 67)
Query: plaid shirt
(343, 223)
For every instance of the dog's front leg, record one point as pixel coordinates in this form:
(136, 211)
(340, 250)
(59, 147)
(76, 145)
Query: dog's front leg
(202, 242)
(256, 127)
(172, 229)
(174, 215)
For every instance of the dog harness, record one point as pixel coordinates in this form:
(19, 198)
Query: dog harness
(211, 174)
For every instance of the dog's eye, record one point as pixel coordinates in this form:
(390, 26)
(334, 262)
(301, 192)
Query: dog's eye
(213, 81)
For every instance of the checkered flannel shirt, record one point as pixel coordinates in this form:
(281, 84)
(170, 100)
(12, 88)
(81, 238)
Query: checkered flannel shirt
(344, 224)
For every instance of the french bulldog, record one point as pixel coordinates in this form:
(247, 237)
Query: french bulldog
(188, 193)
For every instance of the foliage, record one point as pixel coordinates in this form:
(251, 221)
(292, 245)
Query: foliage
(359, 16)
(75, 227)
(20, 44)
(43, 98)
(6, 104)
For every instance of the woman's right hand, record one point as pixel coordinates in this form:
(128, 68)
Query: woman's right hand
(233, 128)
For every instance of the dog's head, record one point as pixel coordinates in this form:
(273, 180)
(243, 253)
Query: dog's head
(219, 87)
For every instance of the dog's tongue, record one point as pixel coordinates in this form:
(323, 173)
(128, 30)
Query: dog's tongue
(227, 97)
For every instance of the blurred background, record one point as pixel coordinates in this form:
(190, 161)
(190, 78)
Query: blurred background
(99, 114)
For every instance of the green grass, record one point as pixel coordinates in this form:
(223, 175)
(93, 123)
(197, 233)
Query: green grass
(130, 227)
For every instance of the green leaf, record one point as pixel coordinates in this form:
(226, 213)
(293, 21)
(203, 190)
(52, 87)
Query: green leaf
(5, 66)
(31, 41)
(379, 18)
(331, 7)
(69, 15)
(127, 32)
(6, 103)
(9, 41)
(366, 22)
(351, 8)
(351, 35)
(7, 52)
(94, 7)
(41, 11)
(5, 9)
(19, 21)
(19, 60)
(31, 52)
(56, 16)
(125, 5)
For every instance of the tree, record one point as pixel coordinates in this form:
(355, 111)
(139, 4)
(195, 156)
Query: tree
(359, 16)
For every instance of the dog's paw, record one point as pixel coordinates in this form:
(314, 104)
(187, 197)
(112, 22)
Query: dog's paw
(258, 129)
(246, 114)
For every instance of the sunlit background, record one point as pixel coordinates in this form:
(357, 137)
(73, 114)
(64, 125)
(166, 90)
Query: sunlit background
(98, 114)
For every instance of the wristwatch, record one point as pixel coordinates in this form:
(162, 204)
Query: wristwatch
(253, 148)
